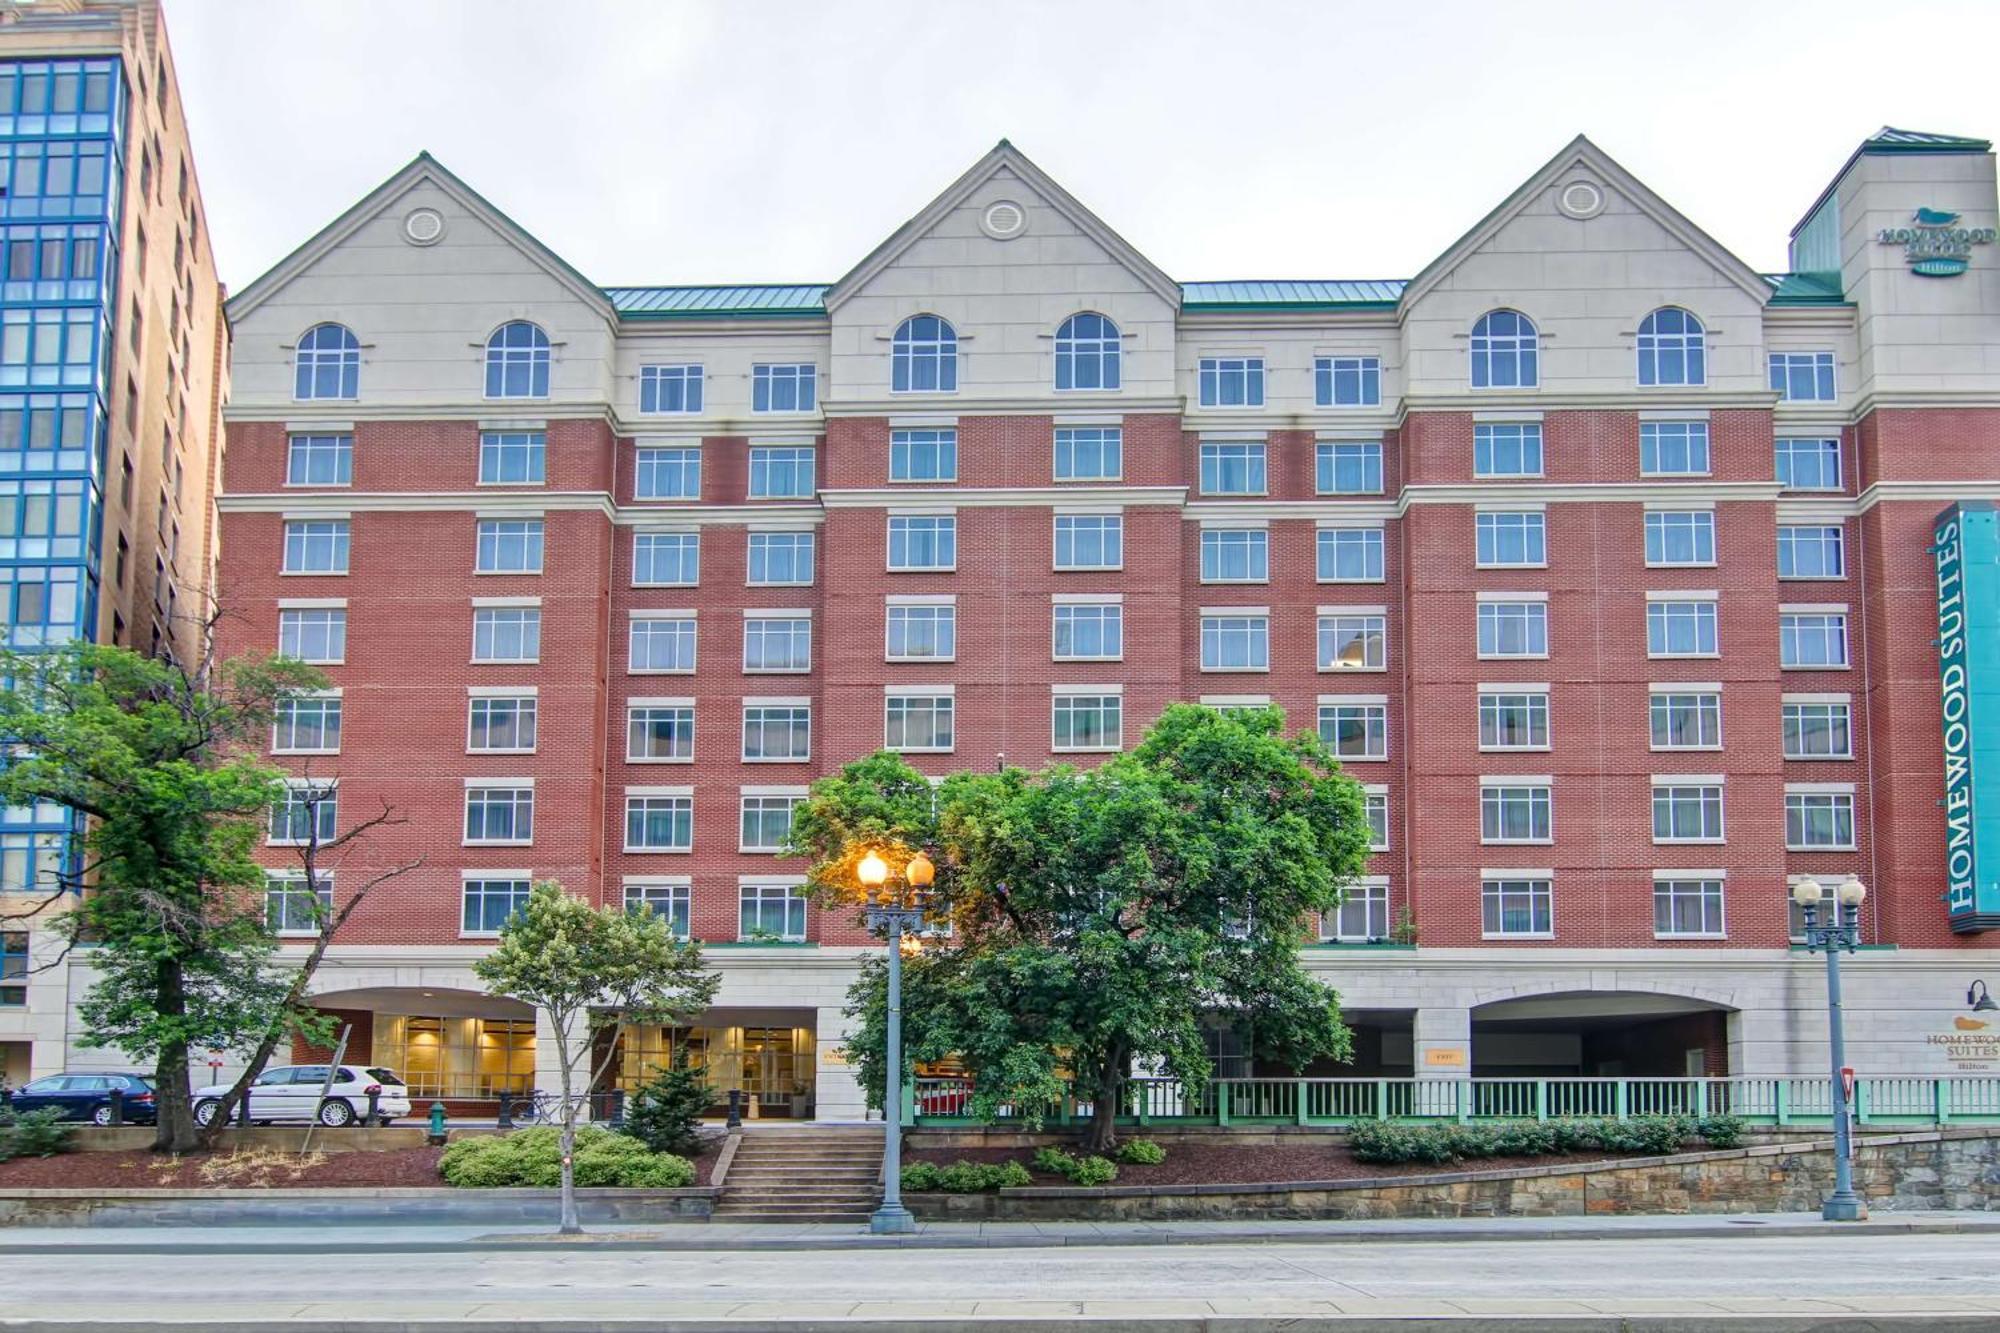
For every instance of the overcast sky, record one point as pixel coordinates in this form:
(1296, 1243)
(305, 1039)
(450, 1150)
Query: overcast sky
(767, 141)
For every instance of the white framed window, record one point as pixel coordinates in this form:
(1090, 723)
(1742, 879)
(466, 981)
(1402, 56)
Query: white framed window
(292, 908)
(490, 899)
(1517, 907)
(1507, 449)
(1088, 632)
(1232, 467)
(1505, 351)
(663, 642)
(1513, 719)
(766, 817)
(1673, 449)
(1347, 467)
(1818, 818)
(921, 632)
(666, 559)
(1087, 719)
(1375, 806)
(1355, 729)
(1685, 719)
(517, 361)
(676, 389)
(316, 634)
(1090, 541)
(771, 910)
(308, 811)
(923, 356)
(930, 454)
(923, 542)
(1681, 628)
(1811, 551)
(319, 460)
(1347, 381)
(781, 471)
(513, 458)
(1511, 540)
(1673, 348)
(506, 634)
(1363, 914)
(783, 388)
(777, 643)
(316, 546)
(918, 722)
(1349, 555)
(659, 821)
(781, 559)
(1231, 381)
(1516, 810)
(1818, 727)
(1236, 642)
(1513, 628)
(1812, 640)
(659, 731)
(777, 732)
(500, 811)
(1235, 555)
(509, 546)
(667, 899)
(1680, 537)
(1087, 352)
(1353, 640)
(1808, 464)
(326, 363)
(1687, 810)
(1687, 906)
(306, 724)
(666, 473)
(1802, 377)
(501, 723)
(1089, 453)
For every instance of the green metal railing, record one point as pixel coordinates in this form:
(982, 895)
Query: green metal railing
(1888, 1101)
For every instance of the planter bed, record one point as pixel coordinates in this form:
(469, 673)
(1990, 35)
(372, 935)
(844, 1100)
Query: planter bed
(1210, 1163)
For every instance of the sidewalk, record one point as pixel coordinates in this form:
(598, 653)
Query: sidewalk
(417, 1238)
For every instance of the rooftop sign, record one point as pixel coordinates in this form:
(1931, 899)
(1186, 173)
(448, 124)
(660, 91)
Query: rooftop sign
(1936, 246)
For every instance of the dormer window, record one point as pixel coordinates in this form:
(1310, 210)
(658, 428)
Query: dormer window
(924, 356)
(1506, 351)
(1673, 348)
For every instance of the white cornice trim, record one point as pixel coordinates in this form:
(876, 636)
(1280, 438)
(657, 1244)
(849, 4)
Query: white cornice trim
(338, 503)
(961, 406)
(1620, 400)
(987, 497)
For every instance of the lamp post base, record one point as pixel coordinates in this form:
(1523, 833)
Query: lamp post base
(1843, 1207)
(892, 1219)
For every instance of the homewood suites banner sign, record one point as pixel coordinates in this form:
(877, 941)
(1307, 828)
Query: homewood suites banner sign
(1966, 542)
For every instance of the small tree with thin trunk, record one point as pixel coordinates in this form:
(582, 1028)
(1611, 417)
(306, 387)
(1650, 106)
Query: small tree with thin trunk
(593, 971)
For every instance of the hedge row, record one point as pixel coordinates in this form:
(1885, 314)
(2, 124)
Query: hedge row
(1382, 1142)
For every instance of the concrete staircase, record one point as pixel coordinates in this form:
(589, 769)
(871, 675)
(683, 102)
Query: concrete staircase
(803, 1175)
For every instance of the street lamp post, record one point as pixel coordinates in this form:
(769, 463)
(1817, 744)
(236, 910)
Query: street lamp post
(1842, 930)
(894, 912)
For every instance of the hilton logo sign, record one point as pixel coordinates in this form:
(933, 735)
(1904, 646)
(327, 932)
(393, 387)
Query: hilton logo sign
(1936, 247)
(1967, 547)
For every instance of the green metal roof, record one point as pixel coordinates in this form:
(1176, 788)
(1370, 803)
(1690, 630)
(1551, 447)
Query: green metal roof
(766, 300)
(1806, 289)
(1289, 294)
(1889, 139)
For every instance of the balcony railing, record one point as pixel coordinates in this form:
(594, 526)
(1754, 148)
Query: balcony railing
(1777, 1101)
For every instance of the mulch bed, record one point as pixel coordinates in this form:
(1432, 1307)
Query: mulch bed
(253, 1169)
(1223, 1164)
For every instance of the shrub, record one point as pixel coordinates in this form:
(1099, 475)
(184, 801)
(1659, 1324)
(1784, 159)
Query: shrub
(533, 1158)
(1054, 1161)
(665, 1111)
(1720, 1131)
(1141, 1152)
(1660, 1135)
(31, 1133)
(964, 1177)
(1091, 1171)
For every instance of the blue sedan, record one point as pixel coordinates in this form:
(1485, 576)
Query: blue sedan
(88, 1097)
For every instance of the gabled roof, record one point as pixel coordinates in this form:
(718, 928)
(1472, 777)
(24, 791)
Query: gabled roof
(1581, 152)
(1293, 294)
(753, 300)
(422, 169)
(1889, 139)
(1004, 157)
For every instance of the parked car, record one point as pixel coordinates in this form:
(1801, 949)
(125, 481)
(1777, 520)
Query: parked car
(292, 1092)
(88, 1097)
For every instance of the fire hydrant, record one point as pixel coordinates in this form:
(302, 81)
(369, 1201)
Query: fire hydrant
(437, 1125)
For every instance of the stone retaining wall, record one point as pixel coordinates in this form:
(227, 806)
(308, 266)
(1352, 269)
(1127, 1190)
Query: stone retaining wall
(293, 1207)
(284, 1138)
(1948, 1169)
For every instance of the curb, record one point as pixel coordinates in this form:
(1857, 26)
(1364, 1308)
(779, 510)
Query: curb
(1526, 1322)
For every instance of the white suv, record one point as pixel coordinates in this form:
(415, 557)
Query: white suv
(292, 1092)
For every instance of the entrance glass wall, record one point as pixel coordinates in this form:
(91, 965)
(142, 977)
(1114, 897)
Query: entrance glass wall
(772, 1066)
(470, 1058)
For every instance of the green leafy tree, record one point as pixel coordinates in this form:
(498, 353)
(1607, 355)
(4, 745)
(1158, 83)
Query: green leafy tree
(665, 1112)
(593, 971)
(1098, 917)
(160, 759)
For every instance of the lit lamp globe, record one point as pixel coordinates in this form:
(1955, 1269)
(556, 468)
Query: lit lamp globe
(1806, 892)
(920, 872)
(1852, 891)
(872, 872)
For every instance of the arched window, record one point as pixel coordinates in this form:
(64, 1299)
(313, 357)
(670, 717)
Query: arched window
(924, 356)
(329, 363)
(1673, 348)
(1087, 352)
(1506, 351)
(517, 361)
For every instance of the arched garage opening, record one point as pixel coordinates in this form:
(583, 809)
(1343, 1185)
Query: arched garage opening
(462, 1047)
(1600, 1034)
